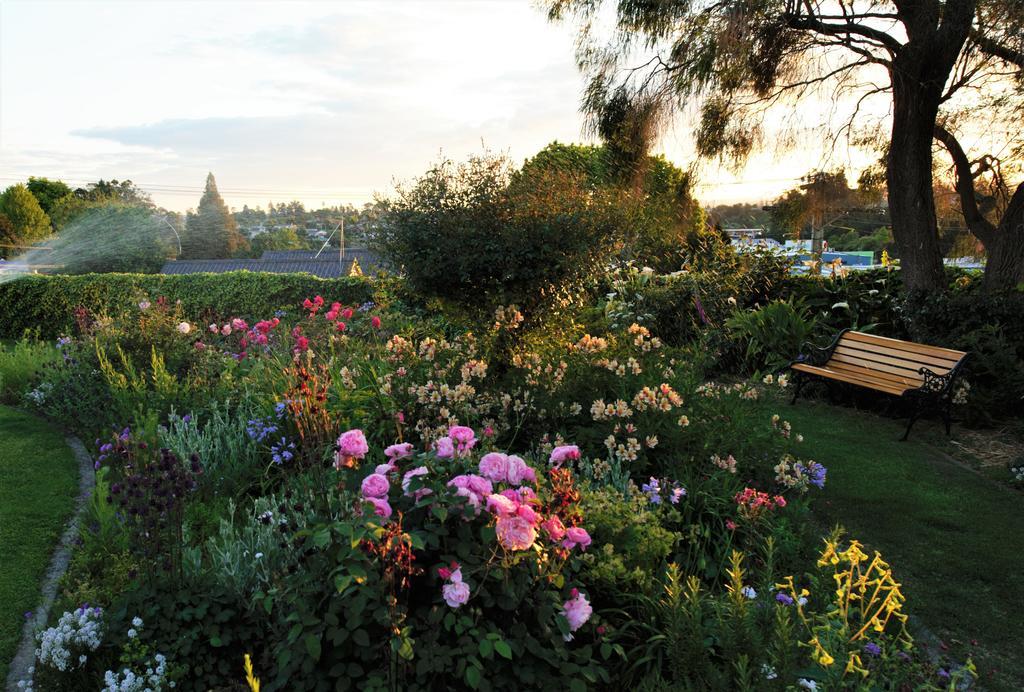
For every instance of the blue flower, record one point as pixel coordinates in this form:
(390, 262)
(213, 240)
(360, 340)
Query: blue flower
(872, 649)
(784, 599)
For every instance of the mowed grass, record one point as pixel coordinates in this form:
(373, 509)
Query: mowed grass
(954, 538)
(38, 485)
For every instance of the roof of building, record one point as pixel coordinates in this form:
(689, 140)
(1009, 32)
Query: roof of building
(327, 270)
(327, 265)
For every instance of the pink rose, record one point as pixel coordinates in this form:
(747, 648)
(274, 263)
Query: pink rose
(526, 494)
(239, 324)
(444, 448)
(564, 453)
(518, 471)
(399, 451)
(577, 611)
(463, 437)
(455, 593)
(554, 528)
(375, 485)
(375, 322)
(414, 473)
(380, 506)
(515, 533)
(501, 505)
(495, 467)
(353, 444)
(225, 330)
(351, 447)
(575, 536)
(385, 469)
(480, 486)
(527, 513)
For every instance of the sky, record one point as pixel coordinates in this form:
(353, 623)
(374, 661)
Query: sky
(323, 102)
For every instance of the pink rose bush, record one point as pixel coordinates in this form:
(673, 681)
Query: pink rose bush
(500, 491)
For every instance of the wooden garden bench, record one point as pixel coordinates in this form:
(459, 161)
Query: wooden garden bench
(923, 375)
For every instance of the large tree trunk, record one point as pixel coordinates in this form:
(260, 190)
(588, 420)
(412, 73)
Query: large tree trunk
(909, 176)
(1005, 266)
(936, 33)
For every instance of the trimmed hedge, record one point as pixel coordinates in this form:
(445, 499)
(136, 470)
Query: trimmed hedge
(49, 302)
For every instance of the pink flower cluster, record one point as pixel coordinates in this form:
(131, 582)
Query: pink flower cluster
(375, 489)
(753, 503)
(455, 591)
(503, 468)
(474, 488)
(459, 441)
(577, 610)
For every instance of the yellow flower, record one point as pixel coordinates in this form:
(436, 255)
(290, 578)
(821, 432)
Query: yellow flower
(254, 682)
(855, 665)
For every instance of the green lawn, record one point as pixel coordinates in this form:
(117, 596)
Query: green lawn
(954, 537)
(38, 486)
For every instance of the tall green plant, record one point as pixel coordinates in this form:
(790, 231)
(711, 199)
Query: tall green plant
(772, 334)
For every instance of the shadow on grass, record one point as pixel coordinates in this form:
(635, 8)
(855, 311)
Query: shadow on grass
(954, 538)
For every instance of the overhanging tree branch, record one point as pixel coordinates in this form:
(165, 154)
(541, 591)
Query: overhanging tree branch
(981, 227)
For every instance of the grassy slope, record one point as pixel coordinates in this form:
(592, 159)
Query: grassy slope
(38, 484)
(954, 538)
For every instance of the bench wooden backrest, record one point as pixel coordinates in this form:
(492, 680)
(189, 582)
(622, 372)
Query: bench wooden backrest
(892, 358)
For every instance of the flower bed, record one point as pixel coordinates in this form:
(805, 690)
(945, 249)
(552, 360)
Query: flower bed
(355, 502)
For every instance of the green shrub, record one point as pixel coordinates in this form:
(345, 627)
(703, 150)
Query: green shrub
(49, 302)
(477, 234)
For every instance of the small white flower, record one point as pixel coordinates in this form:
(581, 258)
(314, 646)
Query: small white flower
(807, 684)
(184, 327)
(749, 592)
(132, 634)
(258, 555)
(768, 672)
(137, 621)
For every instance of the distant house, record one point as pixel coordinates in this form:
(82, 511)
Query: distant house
(330, 263)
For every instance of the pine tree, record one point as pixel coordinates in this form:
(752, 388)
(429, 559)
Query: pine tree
(28, 222)
(211, 232)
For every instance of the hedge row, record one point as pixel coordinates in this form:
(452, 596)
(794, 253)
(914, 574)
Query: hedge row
(49, 302)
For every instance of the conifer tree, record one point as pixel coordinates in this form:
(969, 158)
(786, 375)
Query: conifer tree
(211, 231)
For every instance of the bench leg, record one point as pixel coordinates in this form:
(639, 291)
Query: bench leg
(946, 417)
(799, 385)
(910, 424)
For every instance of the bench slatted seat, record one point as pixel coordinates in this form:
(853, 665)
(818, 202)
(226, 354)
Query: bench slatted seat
(915, 372)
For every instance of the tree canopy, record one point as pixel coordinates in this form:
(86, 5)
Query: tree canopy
(27, 222)
(906, 74)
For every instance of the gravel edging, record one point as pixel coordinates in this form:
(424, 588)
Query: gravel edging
(25, 656)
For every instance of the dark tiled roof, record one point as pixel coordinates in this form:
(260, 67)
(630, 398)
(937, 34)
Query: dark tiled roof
(327, 270)
(284, 262)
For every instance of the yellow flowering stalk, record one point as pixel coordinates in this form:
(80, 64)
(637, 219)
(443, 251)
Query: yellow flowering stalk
(253, 681)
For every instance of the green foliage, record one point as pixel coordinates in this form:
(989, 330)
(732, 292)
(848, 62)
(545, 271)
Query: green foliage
(28, 221)
(21, 365)
(660, 232)
(277, 239)
(47, 192)
(474, 233)
(772, 334)
(49, 302)
(211, 232)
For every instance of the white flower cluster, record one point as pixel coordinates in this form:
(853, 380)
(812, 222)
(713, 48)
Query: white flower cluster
(79, 631)
(153, 679)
